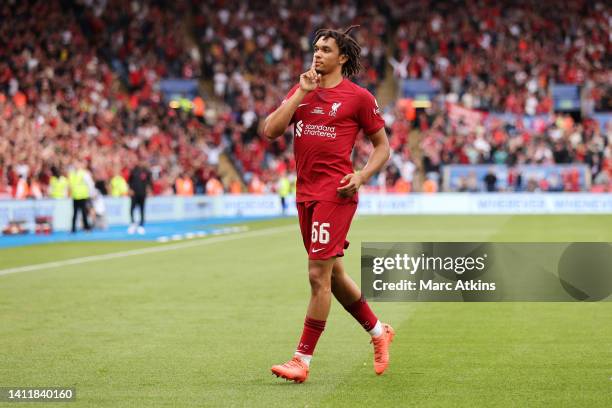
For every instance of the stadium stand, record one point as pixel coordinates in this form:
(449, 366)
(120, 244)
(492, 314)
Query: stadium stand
(494, 65)
(82, 80)
(254, 51)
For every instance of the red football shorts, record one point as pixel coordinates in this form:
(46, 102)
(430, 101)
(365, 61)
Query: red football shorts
(324, 226)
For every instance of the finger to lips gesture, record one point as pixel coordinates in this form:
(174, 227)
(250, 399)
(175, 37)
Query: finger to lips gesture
(310, 79)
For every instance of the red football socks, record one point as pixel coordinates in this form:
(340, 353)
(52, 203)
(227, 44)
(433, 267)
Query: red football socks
(361, 311)
(312, 331)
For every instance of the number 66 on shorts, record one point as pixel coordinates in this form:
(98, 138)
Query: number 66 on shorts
(324, 226)
(320, 233)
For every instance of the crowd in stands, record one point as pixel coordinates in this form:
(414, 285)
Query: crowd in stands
(80, 81)
(503, 56)
(494, 57)
(482, 55)
(550, 140)
(255, 51)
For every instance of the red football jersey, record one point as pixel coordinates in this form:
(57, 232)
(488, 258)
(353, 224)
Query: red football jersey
(326, 125)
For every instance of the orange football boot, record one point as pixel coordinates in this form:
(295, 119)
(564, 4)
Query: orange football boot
(294, 370)
(381, 349)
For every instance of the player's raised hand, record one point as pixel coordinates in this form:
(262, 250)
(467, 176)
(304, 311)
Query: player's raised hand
(349, 185)
(310, 79)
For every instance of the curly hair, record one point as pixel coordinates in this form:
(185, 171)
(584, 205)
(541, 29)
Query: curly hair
(347, 46)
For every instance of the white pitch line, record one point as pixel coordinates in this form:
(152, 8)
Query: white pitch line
(142, 251)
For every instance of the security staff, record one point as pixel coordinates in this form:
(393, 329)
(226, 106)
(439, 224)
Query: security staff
(58, 184)
(284, 189)
(119, 186)
(79, 180)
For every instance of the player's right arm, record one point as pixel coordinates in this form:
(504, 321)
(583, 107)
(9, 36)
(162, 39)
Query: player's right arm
(276, 123)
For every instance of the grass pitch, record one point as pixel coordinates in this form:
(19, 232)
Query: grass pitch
(201, 325)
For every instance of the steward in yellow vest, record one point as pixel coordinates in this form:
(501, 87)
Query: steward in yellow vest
(79, 180)
(58, 184)
(79, 190)
(58, 187)
(119, 186)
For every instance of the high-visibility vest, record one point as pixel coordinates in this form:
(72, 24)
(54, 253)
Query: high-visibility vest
(284, 187)
(58, 187)
(119, 186)
(78, 186)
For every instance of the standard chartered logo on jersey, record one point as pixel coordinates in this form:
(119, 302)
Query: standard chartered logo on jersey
(314, 130)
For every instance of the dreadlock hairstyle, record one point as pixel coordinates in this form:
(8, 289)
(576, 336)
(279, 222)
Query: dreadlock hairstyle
(347, 46)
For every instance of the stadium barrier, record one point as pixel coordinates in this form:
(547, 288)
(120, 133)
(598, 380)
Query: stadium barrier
(185, 208)
(555, 176)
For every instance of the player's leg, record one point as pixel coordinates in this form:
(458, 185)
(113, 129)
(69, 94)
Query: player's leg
(344, 289)
(324, 231)
(319, 276)
(349, 295)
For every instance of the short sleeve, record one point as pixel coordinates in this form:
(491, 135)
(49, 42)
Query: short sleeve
(368, 116)
(289, 94)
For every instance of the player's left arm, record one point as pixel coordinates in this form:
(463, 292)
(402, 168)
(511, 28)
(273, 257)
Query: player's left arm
(351, 182)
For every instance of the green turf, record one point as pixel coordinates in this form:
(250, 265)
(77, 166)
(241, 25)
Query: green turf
(200, 326)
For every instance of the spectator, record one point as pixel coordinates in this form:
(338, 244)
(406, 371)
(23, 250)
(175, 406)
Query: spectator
(80, 182)
(214, 186)
(58, 184)
(284, 189)
(119, 186)
(490, 180)
(184, 185)
(140, 185)
(235, 187)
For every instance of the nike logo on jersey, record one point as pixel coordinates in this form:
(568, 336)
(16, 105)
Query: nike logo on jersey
(302, 104)
(314, 251)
